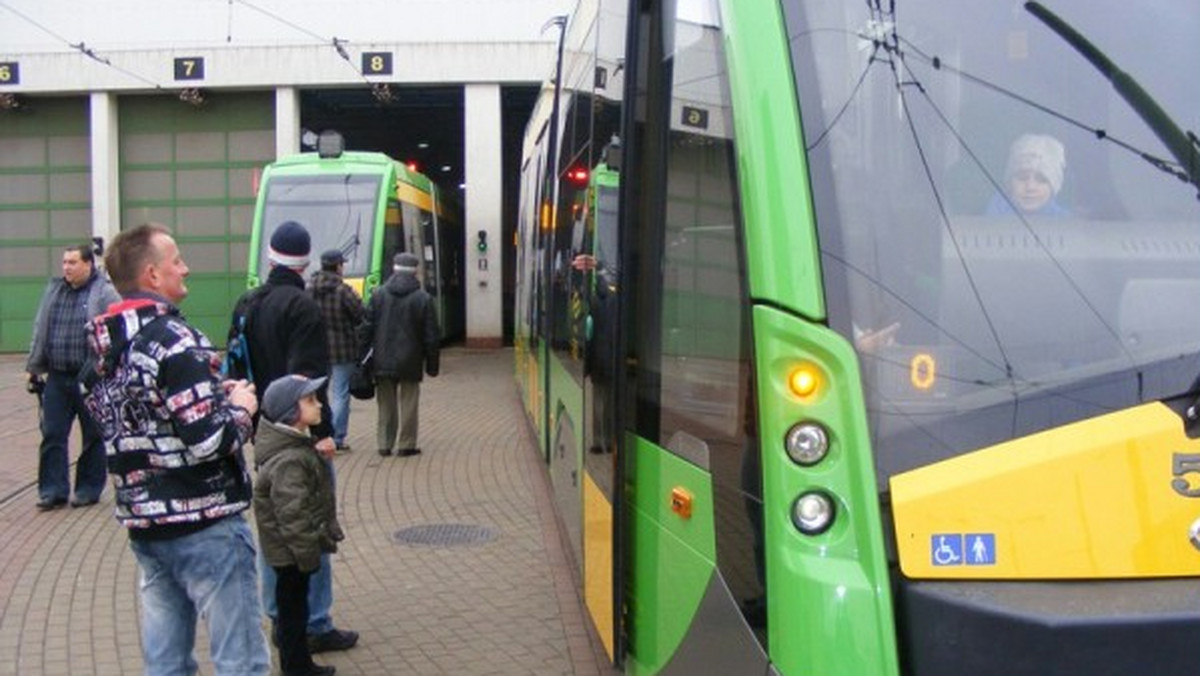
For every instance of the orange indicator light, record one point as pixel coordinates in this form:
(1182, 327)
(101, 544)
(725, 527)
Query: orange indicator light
(681, 502)
(804, 380)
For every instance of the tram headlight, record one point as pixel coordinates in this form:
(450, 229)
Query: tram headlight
(807, 443)
(813, 513)
(330, 144)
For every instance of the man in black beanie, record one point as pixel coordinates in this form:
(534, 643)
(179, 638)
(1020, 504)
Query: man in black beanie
(285, 334)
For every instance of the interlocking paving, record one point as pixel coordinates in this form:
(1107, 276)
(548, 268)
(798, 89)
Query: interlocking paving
(453, 563)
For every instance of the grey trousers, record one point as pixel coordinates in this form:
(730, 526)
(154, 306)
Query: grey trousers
(395, 418)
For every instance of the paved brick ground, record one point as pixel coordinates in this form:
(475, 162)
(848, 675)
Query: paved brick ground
(68, 582)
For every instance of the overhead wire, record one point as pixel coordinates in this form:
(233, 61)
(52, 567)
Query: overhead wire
(81, 47)
(337, 43)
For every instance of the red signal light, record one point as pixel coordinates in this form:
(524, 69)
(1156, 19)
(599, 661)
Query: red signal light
(578, 176)
(412, 165)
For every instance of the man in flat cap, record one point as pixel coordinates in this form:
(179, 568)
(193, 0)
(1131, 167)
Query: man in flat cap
(342, 311)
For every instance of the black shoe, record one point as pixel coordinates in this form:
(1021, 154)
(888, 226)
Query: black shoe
(314, 670)
(342, 448)
(84, 502)
(385, 452)
(408, 452)
(47, 504)
(331, 641)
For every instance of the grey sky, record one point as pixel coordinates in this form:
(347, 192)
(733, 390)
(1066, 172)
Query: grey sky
(51, 25)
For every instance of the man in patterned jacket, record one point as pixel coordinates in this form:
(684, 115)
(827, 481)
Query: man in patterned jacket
(174, 434)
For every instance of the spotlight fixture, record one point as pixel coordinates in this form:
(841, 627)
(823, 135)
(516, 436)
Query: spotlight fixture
(192, 96)
(9, 101)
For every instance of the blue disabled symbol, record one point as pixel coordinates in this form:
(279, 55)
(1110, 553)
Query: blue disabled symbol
(981, 549)
(947, 549)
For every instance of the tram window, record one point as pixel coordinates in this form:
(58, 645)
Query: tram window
(393, 238)
(1037, 318)
(432, 282)
(568, 290)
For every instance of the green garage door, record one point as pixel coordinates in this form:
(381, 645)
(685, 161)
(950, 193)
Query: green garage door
(193, 169)
(45, 204)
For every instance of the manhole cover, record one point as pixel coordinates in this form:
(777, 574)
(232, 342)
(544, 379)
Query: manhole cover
(445, 535)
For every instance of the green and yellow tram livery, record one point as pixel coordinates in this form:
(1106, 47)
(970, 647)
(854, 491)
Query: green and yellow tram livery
(890, 353)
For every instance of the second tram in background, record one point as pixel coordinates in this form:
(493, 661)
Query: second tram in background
(370, 207)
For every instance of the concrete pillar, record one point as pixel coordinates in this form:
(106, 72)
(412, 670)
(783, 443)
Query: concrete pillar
(287, 121)
(106, 177)
(484, 293)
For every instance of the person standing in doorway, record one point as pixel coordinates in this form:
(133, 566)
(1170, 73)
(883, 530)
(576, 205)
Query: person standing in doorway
(342, 311)
(401, 326)
(285, 334)
(57, 353)
(175, 434)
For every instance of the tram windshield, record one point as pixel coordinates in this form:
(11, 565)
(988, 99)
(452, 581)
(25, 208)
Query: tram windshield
(339, 211)
(1008, 241)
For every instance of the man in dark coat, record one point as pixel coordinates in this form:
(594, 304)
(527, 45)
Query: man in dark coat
(401, 326)
(285, 334)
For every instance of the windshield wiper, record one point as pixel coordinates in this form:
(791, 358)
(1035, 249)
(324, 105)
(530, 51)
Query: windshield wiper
(1181, 145)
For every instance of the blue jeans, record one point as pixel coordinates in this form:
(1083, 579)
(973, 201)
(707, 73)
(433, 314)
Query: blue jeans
(61, 404)
(339, 400)
(207, 574)
(320, 587)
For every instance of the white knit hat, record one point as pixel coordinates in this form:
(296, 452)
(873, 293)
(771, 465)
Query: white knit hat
(1039, 153)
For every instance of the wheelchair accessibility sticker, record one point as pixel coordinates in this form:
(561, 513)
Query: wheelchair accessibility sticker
(959, 549)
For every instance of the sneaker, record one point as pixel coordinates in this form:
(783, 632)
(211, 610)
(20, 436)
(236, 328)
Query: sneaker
(342, 448)
(84, 502)
(331, 641)
(385, 452)
(408, 452)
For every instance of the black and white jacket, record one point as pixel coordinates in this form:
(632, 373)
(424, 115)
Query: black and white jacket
(174, 440)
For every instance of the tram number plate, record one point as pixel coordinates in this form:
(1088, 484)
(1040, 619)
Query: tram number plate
(189, 68)
(1184, 465)
(377, 63)
(694, 117)
(10, 72)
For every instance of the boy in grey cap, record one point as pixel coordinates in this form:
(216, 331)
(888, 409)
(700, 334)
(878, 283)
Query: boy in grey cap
(294, 508)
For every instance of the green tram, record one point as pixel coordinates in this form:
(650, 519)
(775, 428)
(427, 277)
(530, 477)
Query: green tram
(371, 207)
(864, 340)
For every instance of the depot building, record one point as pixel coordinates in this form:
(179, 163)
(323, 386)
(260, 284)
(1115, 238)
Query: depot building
(118, 113)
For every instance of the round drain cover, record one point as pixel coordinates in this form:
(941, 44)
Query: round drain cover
(445, 535)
